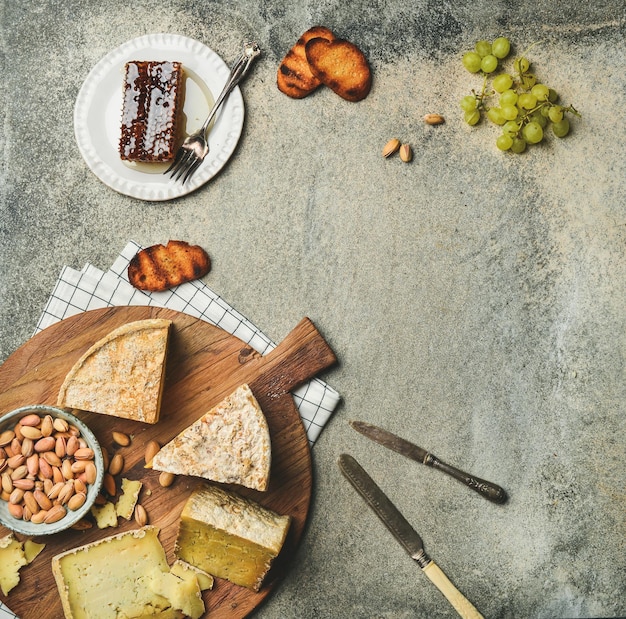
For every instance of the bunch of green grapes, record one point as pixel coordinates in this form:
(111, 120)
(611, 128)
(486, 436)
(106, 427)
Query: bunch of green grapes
(524, 107)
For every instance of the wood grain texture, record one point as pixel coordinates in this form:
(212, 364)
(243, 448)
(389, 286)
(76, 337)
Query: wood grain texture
(204, 365)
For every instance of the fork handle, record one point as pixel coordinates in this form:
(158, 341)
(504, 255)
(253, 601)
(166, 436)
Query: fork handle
(240, 68)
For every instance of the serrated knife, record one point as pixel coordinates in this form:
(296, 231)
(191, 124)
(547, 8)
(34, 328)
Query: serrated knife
(490, 491)
(404, 533)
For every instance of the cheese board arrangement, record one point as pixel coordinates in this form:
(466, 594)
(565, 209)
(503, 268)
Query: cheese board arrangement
(204, 365)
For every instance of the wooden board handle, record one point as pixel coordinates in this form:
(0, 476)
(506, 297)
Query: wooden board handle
(461, 604)
(299, 357)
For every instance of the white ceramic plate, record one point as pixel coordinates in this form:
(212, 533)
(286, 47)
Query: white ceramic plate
(97, 115)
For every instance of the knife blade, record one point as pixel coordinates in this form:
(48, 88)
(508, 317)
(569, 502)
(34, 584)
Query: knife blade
(408, 537)
(487, 489)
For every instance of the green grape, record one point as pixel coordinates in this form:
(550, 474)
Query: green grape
(532, 132)
(495, 116)
(504, 141)
(489, 64)
(528, 81)
(471, 61)
(541, 91)
(509, 112)
(483, 48)
(472, 118)
(561, 128)
(539, 118)
(508, 97)
(553, 96)
(555, 113)
(527, 101)
(502, 82)
(468, 103)
(521, 65)
(518, 146)
(545, 111)
(501, 47)
(510, 127)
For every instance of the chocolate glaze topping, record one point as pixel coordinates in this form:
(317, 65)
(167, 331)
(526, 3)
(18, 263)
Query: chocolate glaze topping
(152, 99)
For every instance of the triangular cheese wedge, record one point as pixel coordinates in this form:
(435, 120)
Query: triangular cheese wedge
(230, 444)
(122, 374)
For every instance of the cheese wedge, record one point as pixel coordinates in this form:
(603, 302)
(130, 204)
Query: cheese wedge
(229, 444)
(230, 536)
(122, 374)
(108, 579)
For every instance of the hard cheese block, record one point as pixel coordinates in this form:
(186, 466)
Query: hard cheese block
(230, 536)
(108, 579)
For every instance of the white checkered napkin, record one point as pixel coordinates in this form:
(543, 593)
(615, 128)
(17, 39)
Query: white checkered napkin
(90, 288)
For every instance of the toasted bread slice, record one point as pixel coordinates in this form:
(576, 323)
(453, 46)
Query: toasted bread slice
(160, 267)
(294, 77)
(340, 65)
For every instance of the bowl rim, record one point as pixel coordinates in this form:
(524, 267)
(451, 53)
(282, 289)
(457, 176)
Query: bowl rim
(30, 529)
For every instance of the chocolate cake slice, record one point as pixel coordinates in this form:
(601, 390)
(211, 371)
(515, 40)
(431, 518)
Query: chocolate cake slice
(153, 98)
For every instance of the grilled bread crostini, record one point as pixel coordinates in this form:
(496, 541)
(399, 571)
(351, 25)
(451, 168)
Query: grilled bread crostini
(294, 77)
(159, 267)
(340, 65)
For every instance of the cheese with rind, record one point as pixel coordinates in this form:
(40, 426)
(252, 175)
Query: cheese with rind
(108, 579)
(230, 536)
(229, 444)
(122, 374)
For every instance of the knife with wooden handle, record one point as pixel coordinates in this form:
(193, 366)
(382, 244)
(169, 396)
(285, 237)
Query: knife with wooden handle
(404, 533)
(490, 491)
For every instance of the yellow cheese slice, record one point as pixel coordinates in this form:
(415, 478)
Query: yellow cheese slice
(229, 444)
(230, 536)
(183, 595)
(105, 515)
(108, 579)
(130, 494)
(32, 550)
(184, 570)
(11, 560)
(168, 613)
(122, 374)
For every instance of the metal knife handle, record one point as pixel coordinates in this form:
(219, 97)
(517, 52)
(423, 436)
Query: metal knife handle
(461, 604)
(490, 491)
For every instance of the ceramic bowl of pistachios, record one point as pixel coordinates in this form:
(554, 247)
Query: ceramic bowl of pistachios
(51, 469)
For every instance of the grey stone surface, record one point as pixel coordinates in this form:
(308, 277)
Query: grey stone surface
(475, 300)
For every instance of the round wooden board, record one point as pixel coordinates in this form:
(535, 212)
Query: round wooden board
(204, 364)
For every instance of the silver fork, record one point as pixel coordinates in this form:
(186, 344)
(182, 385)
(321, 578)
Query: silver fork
(196, 147)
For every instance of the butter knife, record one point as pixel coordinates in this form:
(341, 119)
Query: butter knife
(407, 536)
(490, 491)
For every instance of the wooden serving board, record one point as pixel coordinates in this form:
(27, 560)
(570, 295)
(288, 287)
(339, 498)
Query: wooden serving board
(204, 365)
